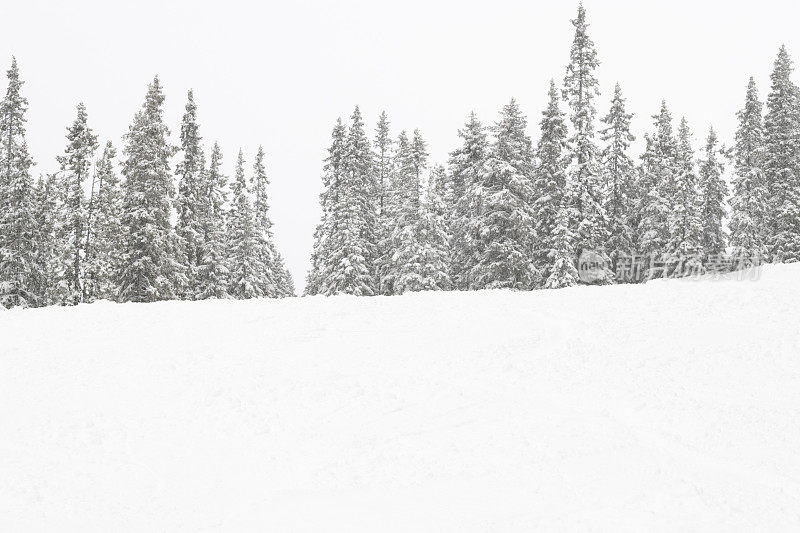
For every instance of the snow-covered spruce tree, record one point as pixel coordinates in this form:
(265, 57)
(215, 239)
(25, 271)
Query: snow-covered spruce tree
(285, 281)
(713, 191)
(332, 189)
(619, 178)
(104, 242)
(433, 236)
(72, 222)
(46, 206)
(549, 183)
(189, 201)
(150, 269)
(20, 273)
(748, 225)
(350, 269)
(657, 186)
(212, 272)
(685, 241)
(382, 168)
(271, 275)
(562, 254)
(244, 271)
(585, 195)
(397, 209)
(466, 169)
(782, 161)
(406, 264)
(504, 224)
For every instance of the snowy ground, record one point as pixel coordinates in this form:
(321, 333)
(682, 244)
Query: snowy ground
(670, 406)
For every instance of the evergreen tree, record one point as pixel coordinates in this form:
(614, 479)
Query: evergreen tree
(401, 215)
(350, 269)
(782, 161)
(749, 210)
(713, 191)
(19, 269)
(46, 204)
(150, 269)
(561, 255)
(584, 187)
(72, 227)
(549, 183)
(685, 223)
(332, 190)
(433, 236)
(657, 177)
(104, 243)
(382, 167)
(504, 222)
(466, 170)
(619, 176)
(270, 271)
(189, 202)
(245, 271)
(212, 273)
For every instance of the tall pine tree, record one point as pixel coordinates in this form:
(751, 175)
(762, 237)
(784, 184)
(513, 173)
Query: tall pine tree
(245, 272)
(713, 191)
(212, 272)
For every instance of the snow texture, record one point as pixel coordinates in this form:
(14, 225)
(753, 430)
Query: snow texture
(666, 406)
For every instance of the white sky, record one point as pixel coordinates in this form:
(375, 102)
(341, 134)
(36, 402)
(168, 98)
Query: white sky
(280, 73)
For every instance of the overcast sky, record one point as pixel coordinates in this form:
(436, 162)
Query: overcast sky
(280, 73)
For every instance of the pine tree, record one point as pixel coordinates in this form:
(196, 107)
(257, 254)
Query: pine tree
(657, 178)
(72, 226)
(212, 273)
(433, 236)
(189, 201)
(350, 268)
(466, 170)
(685, 223)
(749, 209)
(504, 222)
(619, 176)
(563, 272)
(584, 187)
(549, 183)
(45, 211)
(270, 271)
(332, 190)
(245, 272)
(104, 243)
(382, 168)
(782, 161)
(150, 269)
(19, 269)
(713, 191)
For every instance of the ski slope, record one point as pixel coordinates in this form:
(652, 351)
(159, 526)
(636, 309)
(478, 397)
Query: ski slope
(669, 406)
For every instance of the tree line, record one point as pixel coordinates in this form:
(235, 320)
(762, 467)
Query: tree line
(505, 213)
(62, 246)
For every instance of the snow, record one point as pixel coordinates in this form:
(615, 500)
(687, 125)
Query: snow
(673, 405)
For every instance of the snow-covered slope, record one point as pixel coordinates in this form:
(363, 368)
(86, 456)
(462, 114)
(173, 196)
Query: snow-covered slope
(669, 406)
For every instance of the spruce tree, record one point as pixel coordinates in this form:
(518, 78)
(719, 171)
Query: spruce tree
(20, 272)
(782, 162)
(104, 243)
(45, 211)
(72, 228)
(433, 235)
(619, 177)
(332, 190)
(466, 170)
(713, 191)
(657, 186)
(562, 254)
(189, 202)
(549, 183)
(401, 213)
(504, 222)
(584, 187)
(382, 168)
(245, 272)
(267, 256)
(150, 269)
(749, 207)
(350, 268)
(685, 224)
(212, 272)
